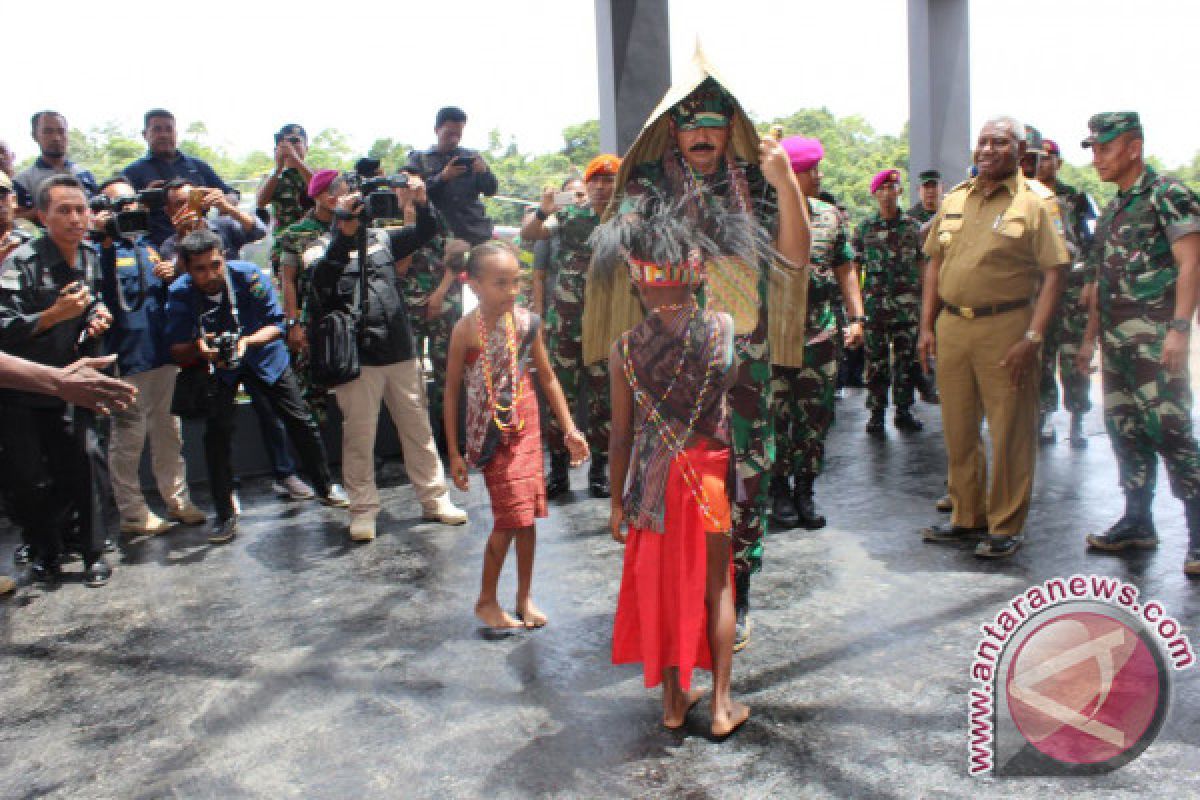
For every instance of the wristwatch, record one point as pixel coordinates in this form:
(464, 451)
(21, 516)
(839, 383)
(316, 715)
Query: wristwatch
(1180, 325)
(1033, 336)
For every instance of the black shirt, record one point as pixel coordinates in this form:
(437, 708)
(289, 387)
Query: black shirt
(457, 200)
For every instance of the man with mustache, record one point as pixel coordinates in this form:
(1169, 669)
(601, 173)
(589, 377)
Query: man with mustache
(992, 239)
(702, 151)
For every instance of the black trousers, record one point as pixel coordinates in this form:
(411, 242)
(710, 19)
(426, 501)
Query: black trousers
(288, 404)
(52, 473)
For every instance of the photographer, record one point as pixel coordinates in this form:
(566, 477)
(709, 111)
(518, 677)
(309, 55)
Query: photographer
(53, 468)
(390, 371)
(227, 315)
(285, 190)
(187, 207)
(456, 177)
(134, 282)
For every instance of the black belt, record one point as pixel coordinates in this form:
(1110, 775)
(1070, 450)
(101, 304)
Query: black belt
(984, 311)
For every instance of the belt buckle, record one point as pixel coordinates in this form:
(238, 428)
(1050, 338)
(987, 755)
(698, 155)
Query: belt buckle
(967, 313)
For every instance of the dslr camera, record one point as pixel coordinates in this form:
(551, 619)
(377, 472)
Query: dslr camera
(126, 220)
(378, 194)
(226, 345)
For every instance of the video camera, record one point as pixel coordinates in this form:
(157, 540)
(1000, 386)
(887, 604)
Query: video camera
(378, 194)
(126, 220)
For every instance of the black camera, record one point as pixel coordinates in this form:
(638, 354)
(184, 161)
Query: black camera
(126, 220)
(378, 194)
(226, 345)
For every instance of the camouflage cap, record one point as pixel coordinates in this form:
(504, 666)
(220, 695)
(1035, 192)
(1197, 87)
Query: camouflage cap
(929, 176)
(1108, 125)
(709, 106)
(1033, 140)
(6, 184)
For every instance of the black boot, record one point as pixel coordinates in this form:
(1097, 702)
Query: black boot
(559, 481)
(1078, 440)
(1191, 562)
(1134, 529)
(783, 512)
(875, 425)
(806, 510)
(905, 421)
(741, 607)
(598, 477)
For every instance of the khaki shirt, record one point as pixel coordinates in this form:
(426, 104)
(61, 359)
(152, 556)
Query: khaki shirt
(992, 248)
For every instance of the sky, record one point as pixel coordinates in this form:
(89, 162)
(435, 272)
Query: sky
(528, 67)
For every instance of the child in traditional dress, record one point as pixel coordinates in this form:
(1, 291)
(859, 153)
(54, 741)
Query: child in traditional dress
(491, 347)
(670, 451)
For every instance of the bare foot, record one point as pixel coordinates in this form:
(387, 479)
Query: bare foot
(531, 615)
(492, 615)
(675, 709)
(727, 720)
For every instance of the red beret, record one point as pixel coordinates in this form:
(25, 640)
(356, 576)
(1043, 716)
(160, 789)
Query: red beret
(603, 164)
(320, 181)
(1050, 147)
(804, 153)
(883, 177)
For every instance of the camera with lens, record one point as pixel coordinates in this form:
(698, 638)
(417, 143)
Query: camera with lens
(226, 345)
(378, 194)
(127, 220)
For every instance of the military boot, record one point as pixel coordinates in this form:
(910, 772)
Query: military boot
(1191, 562)
(905, 421)
(741, 608)
(1078, 440)
(1046, 432)
(783, 512)
(875, 425)
(806, 510)
(559, 481)
(598, 476)
(1134, 529)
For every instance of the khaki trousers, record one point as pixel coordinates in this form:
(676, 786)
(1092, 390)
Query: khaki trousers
(149, 416)
(399, 387)
(973, 385)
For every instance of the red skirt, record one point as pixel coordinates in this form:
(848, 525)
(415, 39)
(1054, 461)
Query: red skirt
(513, 476)
(661, 617)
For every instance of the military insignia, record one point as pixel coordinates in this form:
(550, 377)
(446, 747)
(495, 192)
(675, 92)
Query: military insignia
(944, 237)
(126, 261)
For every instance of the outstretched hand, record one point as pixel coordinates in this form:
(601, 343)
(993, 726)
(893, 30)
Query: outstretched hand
(82, 384)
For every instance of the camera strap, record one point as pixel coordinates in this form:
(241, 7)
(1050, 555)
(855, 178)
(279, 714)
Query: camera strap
(233, 309)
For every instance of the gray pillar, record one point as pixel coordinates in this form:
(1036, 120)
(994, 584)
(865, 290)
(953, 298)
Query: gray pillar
(633, 48)
(939, 89)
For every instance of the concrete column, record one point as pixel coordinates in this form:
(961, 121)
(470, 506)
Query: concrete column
(939, 89)
(633, 48)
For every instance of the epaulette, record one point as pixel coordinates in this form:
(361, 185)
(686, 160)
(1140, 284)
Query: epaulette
(1039, 188)
(967, 184)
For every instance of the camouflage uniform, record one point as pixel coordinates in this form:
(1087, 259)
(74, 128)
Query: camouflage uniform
(288, 251)
(1065, 333)
(564, 331)
(288, 205)
(921, 214)
(425, 273)
(890, 254)
(1147, 410)
(802, 406)
(749, 398)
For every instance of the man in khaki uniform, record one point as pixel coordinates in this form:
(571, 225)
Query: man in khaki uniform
(989, 242)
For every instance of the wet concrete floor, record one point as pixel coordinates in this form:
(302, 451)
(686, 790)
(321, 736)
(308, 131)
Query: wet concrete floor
(293, 663)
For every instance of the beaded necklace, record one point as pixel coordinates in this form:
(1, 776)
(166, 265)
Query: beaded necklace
(513, 423)
(676, 443)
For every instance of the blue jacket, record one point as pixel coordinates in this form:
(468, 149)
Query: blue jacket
(138, 306)
(148, 169)
(257, 307)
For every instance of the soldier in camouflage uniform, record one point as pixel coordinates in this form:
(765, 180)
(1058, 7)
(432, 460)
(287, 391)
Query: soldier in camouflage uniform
(1145, 260)
(888, 246)
(923, 211)
(698, 147)
(804, 377)
(1063, 338)
(285, 190)
(434, 298)
(288, 250)
(572, 255)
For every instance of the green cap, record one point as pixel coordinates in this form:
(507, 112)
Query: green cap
(709, 106)
(1108, 125)
(1033, 140)
(929, 176)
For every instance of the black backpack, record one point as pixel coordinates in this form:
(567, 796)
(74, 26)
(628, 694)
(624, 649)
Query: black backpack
(333, 338)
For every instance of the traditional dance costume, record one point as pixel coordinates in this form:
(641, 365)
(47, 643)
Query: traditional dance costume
(503, 436)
